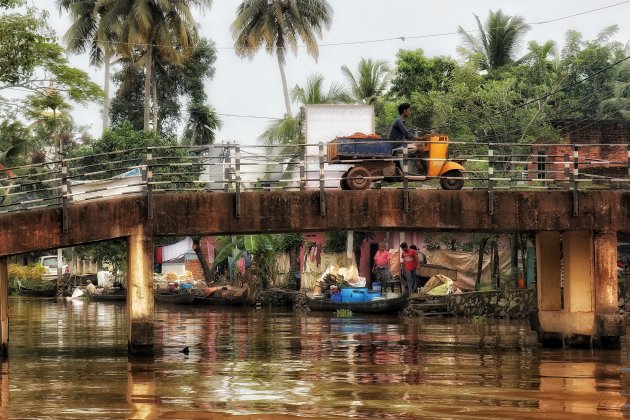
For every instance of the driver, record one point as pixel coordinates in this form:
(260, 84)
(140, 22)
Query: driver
(400, 133)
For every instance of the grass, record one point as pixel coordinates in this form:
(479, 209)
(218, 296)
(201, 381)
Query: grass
(344, 313)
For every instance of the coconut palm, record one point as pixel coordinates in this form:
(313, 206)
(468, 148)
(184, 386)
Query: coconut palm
(201, 126)
(371, 79)
(87, 34)
(618, 106)
(497, 42)
(278, 25)
(166, 27)
(314, 92)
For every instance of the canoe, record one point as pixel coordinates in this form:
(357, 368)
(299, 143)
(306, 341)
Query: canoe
(108, 297)
(177, 298)
(27, 291)
(379, 306)
(231, 297)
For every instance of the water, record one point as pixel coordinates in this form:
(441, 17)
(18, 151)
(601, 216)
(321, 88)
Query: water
(69, 360)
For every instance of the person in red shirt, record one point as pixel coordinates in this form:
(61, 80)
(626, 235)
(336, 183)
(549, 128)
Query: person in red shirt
(410, 263)
(381, 266)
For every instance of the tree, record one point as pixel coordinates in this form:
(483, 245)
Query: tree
(314, 92)
(618, 106)
(30, 60)
(87, 34)
(277, 25)
(201, 126)
(497, 42)
(417, 73)
(371, 80)
(147, 26)
(175, 84)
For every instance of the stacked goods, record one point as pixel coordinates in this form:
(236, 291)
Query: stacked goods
(331, 281)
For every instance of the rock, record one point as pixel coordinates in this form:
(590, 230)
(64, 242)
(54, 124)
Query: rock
(503, 303)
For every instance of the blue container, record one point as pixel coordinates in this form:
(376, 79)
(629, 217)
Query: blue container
(376, 286)
(353, 294)
(335, 297)
(373, 295)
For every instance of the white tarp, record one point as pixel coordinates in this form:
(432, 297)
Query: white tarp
(323, 124)
(126, 183)
(170, 252)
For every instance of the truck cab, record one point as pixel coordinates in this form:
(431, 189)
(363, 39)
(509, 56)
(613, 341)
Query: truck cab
(49, 262)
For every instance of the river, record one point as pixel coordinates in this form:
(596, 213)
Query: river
(68, 359)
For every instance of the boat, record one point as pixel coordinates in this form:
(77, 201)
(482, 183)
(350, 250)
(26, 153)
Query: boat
(174, 297)
(233, 296)
(28, 291)
(376, 306)
(116, 296)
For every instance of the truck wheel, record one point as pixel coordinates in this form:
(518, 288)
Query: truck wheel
(344, 181)
(359, 178)
(455, 183)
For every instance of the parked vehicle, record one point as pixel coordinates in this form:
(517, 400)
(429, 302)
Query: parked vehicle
(49, 262)
(376, 160)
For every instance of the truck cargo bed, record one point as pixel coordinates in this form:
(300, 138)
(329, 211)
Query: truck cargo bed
(343, 148)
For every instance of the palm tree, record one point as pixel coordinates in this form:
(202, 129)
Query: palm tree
(166, 27)
(618, 106)
(87, 34)
(497, 42)
(201, 126)
(313, 92)
(371, 79)
(278, 25)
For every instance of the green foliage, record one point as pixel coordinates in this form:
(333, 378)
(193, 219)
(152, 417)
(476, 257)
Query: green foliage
(7, 4)
(371, 80)
(176, 83)
(112, 252)
(336, 241)
(290, 241)
(28, 275)
(417, 73)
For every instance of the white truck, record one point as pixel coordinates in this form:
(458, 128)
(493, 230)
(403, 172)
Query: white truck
(49, 262)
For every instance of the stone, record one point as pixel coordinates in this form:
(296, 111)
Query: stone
(503, 303)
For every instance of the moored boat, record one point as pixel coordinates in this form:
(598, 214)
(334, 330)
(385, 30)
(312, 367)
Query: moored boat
(33, 292)
(376, 306)
(232, 296)
(175, 297)
(117, 296)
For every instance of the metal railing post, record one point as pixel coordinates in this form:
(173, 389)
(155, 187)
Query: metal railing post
(567, 173)
(576, 174)
(302, 170)
(490, 180)
(322, 184)
(405, 170)
(148, 178)
(64, 196)
(237, 164)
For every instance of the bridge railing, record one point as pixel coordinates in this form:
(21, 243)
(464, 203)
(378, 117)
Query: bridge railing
(238, 168)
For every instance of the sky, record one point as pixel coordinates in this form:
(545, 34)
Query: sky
(247, 94)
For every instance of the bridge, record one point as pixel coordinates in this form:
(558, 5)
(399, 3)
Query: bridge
(575, 215)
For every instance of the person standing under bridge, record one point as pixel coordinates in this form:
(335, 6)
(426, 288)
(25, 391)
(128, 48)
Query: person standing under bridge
(410, 264)
(381, 267)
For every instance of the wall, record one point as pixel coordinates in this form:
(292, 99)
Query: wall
(513, 304)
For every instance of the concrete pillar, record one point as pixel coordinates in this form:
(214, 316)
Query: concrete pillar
(609, 325)
(4, 308)
(577, 248)
(548, 270)
(577, 289)
(140, 302)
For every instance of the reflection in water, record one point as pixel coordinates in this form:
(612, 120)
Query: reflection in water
(69, 360)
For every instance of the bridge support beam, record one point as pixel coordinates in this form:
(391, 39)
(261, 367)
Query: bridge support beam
(4, 308)
(577, 289)
(140, 304)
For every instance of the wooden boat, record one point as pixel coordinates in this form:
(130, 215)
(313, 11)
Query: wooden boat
(234, 296)
(28, 291)
(379, 306)
(118, 296)
(175, 297)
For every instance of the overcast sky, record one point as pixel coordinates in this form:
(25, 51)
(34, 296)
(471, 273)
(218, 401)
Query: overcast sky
(246, 92)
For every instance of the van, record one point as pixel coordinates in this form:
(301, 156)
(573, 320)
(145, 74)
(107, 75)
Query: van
(49, 262)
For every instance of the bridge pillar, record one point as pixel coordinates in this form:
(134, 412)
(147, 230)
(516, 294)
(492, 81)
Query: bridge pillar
(577, 288)
(140, 302)
(4, 308)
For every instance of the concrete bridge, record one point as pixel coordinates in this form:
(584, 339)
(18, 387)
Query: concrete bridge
(576, 241)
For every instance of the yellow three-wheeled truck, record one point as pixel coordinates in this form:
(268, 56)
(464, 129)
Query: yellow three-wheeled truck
(376, 160)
